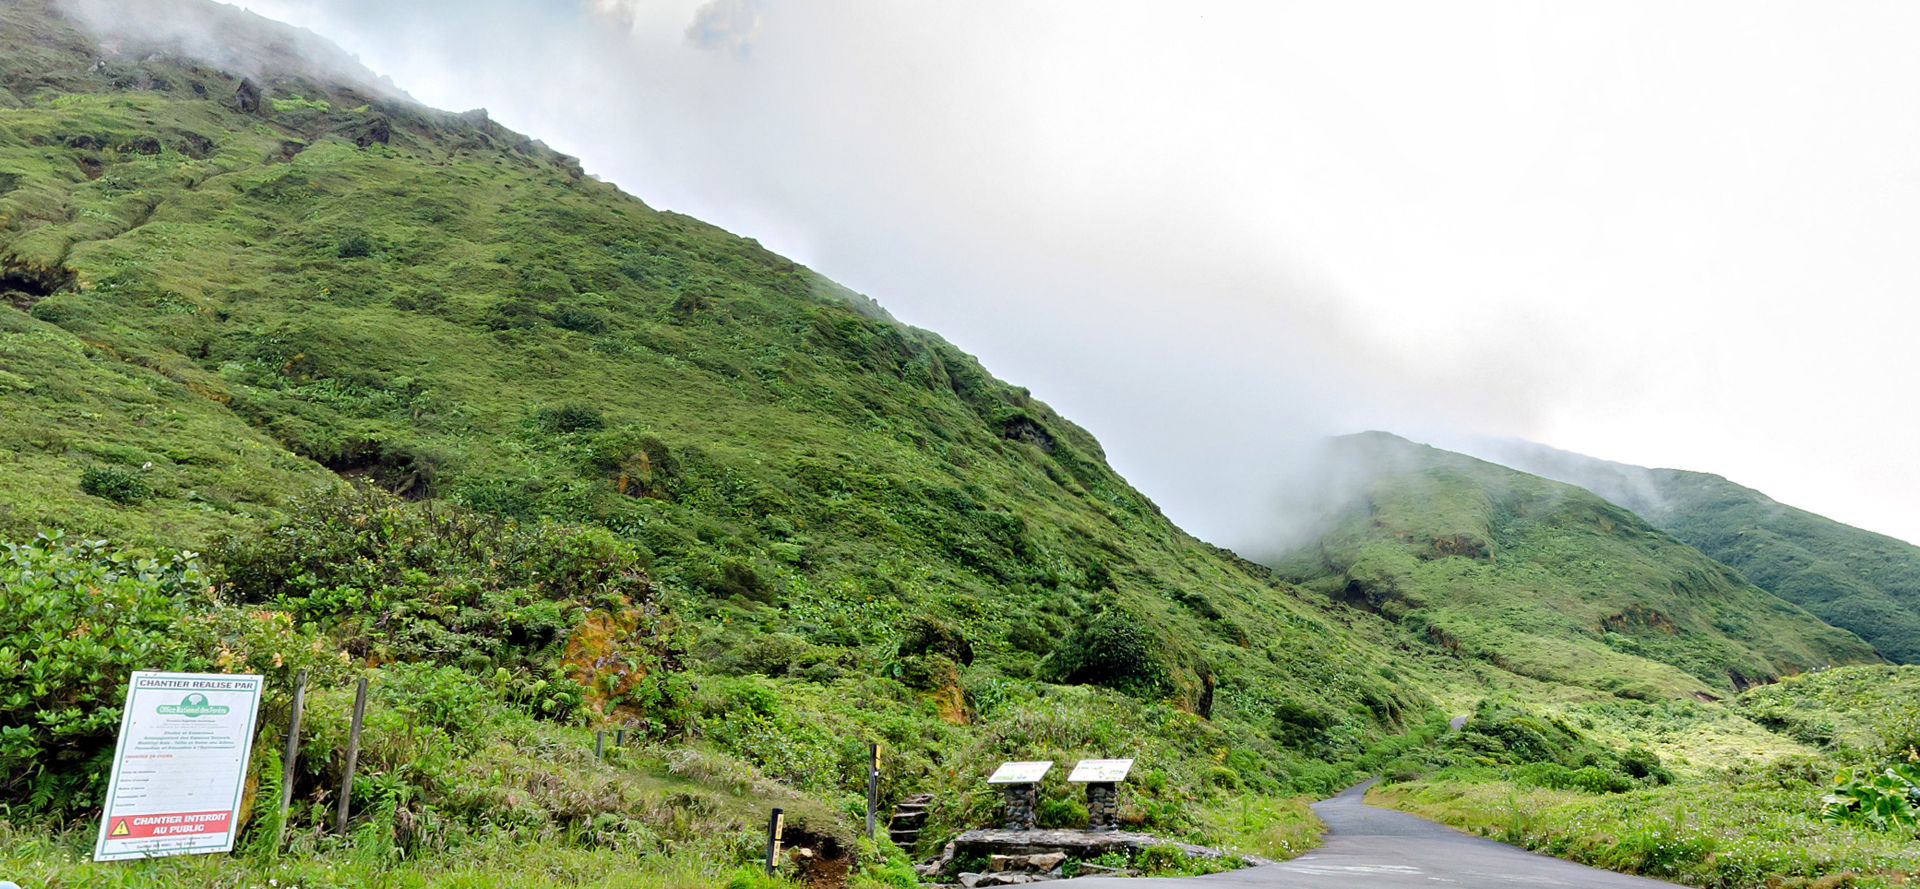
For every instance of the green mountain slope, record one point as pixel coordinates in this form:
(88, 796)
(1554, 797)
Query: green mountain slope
(618, 469)
(243, 295)
(1549, 581)
(1865, 582)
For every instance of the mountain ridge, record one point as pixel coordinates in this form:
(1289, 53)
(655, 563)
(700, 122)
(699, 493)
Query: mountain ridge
(1549, 580)
(1850, 577)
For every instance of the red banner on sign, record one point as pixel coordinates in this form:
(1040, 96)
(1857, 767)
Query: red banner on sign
(175, 824)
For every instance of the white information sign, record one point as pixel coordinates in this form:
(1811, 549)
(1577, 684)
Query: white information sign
(1100, 771)
(1020, 772)
(180, 766)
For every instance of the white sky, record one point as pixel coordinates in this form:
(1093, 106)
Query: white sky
(1670, 234)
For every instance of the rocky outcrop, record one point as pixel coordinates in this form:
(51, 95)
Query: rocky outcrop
(246, 97)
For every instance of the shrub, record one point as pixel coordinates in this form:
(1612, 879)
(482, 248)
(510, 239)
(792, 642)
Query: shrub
(581, 319)
(433, 584)
(927, 672)
(1404, 769)
(1113, 650)
(771, 654)
(1513, 736)
(75, 619)
(512, 314)
(115, 484)
(1593, 779)
(729, 579)
(568, 418)
(924, 634)
(1639, 762)
(355, 244)
(441, 697)
(1221, 778)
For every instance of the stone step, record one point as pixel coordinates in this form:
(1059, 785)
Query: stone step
(909, 815)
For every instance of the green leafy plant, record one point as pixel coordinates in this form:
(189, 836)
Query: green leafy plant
(1884, 799)
(75, 619)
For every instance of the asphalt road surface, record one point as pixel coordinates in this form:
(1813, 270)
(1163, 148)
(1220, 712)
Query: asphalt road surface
(1372, 848)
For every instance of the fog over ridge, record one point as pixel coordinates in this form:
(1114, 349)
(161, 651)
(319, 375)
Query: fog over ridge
(1214, 234)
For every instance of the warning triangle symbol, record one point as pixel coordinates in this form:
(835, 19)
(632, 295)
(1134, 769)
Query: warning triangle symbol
(119, 829)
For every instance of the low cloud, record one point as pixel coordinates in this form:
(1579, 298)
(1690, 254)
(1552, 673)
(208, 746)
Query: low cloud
(619, 13)
(234, 40)
(727, 26)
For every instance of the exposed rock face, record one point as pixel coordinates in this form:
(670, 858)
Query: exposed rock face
(377, 129)
(246, 97)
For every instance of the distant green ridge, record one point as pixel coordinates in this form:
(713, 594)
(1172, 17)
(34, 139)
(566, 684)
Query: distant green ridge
(1548, 580)
(1865, 582)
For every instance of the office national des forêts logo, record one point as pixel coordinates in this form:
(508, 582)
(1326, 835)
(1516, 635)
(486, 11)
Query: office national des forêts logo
(192, 705)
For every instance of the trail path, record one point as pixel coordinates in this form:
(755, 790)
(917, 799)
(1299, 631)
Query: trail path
(1373, 848)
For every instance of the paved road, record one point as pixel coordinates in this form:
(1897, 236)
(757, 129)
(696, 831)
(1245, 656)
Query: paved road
(1372, 848)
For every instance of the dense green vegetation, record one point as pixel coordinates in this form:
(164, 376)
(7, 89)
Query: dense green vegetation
(1549, 581)
(1857, 580)
(296, 374)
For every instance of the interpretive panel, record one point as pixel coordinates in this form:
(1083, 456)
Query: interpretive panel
(180, 765)
(1100, 771)
(1020, 772)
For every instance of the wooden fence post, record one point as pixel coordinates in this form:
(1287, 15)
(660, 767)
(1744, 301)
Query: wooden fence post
(353, 757)
(291, 757)
(873, 784)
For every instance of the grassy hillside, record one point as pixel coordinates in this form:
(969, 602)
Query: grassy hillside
(1549, 581)
(594, 424)
(1865, 582)
(538, 460)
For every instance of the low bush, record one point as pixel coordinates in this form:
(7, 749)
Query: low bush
(115, 484)
(1115, 650)
(1589, 779)
(568, 418)
(581, 319)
